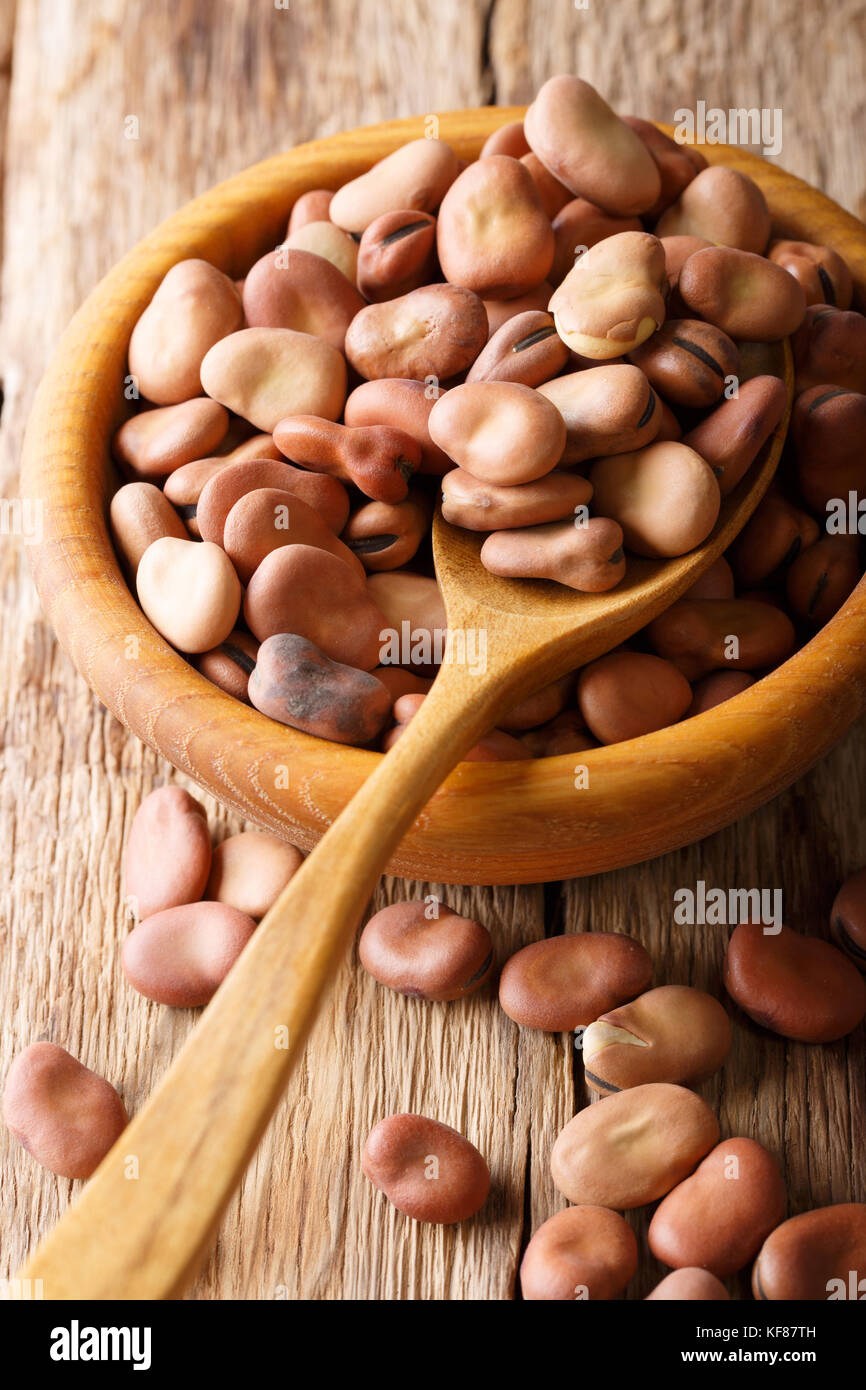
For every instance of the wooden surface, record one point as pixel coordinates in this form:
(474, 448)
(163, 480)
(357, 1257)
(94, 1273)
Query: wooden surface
(216, 86)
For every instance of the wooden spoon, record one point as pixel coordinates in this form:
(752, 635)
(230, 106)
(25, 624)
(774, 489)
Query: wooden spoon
(143, 1236)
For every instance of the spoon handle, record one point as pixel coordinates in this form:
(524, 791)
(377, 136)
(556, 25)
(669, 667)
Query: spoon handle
(146, 1218)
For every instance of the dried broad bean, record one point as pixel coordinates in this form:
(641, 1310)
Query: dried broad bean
(194, 306)
(155, 442)
(703, 635)
(731, 436)
(499, 431)
(250, 870)
(607, 410)
(493, 235)
(378, 459)
(140, 514)
(612, 299)
(439, 958)
(584, 1252)
(820, 580)
(723, 206)
(415, 176)
(744, 294)
(65, 1115)
(526, 349)
(673, 1033)
(386, 535)
(821, 273)
(626, 694)
(435, 331)
(190, 591)
(665, 497)
(427, 1170)
(798, 986)
(848, 918)
(587, 557)
(265, 374)
(397, 254)
(299, 685)
(231, 664)
(182, 955)
(306, 591)
(262, 521)
(685, 1284)
(564, 982)
(688, 362)
(479, 506)
(325, 495)
(814, 1255)
(168, 853)
(288, 288)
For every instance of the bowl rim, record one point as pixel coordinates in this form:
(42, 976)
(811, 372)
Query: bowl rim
(509, 822)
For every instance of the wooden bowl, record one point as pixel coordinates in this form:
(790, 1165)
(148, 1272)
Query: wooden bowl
(490, 823)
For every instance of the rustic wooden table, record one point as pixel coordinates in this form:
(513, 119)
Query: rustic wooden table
(215, 85)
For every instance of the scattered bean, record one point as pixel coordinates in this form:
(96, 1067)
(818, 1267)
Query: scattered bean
(689, 1284)
(427, 1170)
(673, 1033)
(439, 958)
(250, 870)
(584, 1252)
(182, 955)
(565, 982)
(168, 853)
(65, 1115)
(812, 1256)
(798, 986)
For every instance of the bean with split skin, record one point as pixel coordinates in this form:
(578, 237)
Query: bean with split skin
(66, 1116)
(613, 298)
(798, 986)
(565, 982)
(441, 958)
(297, 684)
(633, 1147)
(584, 1252)
(427, 1170)
(672, 1033)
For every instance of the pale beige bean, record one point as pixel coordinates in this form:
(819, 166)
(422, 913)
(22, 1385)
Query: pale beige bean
(493, 234)
(302, 291)
(499, 431)
(588, 148)
(626, 694)
(581, 1253)
(154, 443)
(613, 298)
(250, 870)
(190, 592)
(694, 1284)
(848, 918)
(673, 1033)
(140, 514)
(65, 1116)
(168, 853)
(478, 506)
(665, 497)
(415, 176)
(403, 1151)
(181, 956)
(588, 557)
(748, 297)
(633, 1147)
(193, 308)
(440, 956)
(324, 239)
(722, 206)
(607, 410)
(265, 374)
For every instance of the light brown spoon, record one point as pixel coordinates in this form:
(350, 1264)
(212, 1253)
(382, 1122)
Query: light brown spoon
(143, 1238)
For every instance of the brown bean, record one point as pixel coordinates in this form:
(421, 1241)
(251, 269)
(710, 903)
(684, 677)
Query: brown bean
(813, 1256)
(478, 506)
(140, 514)
(297, 684)
(848, 918)
(612, 299)
(673, 1033)
(564, 734)
(821, 273)
(586, 557)
(230, 665)
(703, 635)
(437, 330)
(265, 374)
(689, 362)
(553, 194)
(722, 206)
(499, 431)
(564, 982)
(607, 410)
(633, 1147)
(415, 176)
(397, 254)
(330, 242)
(406, 405)
(496, 746)
(670, 430)
(427, 1170)
(168, 853)
(65, 1115)
(828, 430)
(584, 1252)
(184, 487)
(182, 955)
(798, 986)
(493, 234)
(716, 688)
(717, 581)
(262, 521)
(295, 289)
(677, 164)
(499, 311)
(306, 591)
(774, 535)
(626, 694)
(190, 592)
(441, 957)
(155, 442)
(579, 225)
(250, 870)
(508, 139)
(194, 306)
(742, 293)
(732, 435)
(386, 535)
(378, 459)
(690, 1284)
(312, 206)
(665, 497)
(589, 149)
(821, 579)
(526, 349)
(830, 350)
(325, 495)
(545, 704)
(720, 1216)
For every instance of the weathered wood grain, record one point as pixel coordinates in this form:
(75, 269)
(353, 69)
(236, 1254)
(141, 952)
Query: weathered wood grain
(216, 85)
